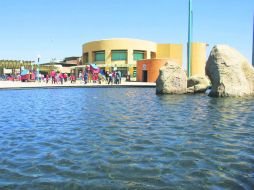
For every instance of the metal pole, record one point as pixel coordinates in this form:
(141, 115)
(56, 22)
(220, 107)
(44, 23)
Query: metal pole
(190, 26)
(253, 44)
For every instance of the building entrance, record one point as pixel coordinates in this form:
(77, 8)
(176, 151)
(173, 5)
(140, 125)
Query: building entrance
(144, 76)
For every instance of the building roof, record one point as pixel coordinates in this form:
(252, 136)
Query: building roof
(71, 58)
(120, 39)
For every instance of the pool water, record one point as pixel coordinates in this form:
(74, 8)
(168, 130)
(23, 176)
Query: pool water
(124, 138)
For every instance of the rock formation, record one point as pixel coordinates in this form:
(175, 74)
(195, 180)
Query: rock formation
(229, 72)
(198, 84)
(172, 79)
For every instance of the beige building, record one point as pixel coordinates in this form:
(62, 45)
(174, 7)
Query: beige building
(123, 54)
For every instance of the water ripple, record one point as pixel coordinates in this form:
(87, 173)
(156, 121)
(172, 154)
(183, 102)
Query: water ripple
(124, 139)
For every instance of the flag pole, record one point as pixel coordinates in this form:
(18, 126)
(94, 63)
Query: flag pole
(190, 26)
(253, 43)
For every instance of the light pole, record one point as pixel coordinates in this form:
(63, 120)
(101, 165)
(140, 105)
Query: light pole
(32, 66)
(38, 58)
(190, 27)
(38, 67)
(253, 44)
(52, 62)
(21, 68)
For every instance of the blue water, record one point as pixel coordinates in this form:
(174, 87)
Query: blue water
(124, 139)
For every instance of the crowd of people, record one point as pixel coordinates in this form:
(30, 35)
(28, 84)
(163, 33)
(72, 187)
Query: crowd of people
(54, 77)
(102, 77)
(105, 77)
(113, 77)
(57, 77)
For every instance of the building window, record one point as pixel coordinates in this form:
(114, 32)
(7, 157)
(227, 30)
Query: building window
(134, 71)
(99, 56)
(85, 57)
(138, 55)
(123, 70)
(119, 55)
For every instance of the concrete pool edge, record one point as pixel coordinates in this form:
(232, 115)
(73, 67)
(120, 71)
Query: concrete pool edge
(77, 86)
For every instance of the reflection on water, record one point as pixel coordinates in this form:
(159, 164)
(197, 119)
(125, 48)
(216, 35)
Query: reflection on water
(124, 139)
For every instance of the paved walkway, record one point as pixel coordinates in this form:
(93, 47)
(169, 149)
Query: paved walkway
(78, 84)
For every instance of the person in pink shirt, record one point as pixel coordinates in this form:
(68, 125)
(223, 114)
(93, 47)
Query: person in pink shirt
(47, 78)
(53, 76)
(73, 78)
(61, 77)
(65, 76)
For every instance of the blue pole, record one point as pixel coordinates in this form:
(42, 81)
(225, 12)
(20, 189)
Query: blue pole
(253, 44)
(190, 26)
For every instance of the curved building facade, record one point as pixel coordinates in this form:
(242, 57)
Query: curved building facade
(123, 54)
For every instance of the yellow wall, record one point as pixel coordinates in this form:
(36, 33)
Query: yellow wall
(170, 51)
(131, 69)
(163, 51)
(198, 59)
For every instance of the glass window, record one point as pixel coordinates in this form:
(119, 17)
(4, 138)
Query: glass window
(138, 55)
(99, 56)
(134, 72)
(123, 70)
(119, 55)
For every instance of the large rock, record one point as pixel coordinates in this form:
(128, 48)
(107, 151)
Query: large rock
(172, 79)
(229, 72)
(198, 84)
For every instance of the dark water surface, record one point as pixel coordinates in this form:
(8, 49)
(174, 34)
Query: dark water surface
(124, 139)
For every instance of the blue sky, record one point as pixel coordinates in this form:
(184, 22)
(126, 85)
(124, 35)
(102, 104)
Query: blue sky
(58, 28)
